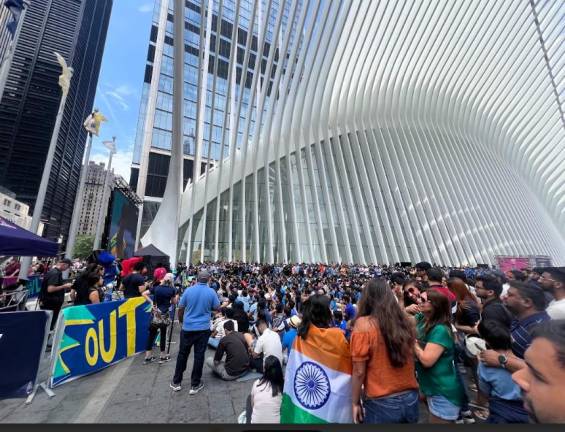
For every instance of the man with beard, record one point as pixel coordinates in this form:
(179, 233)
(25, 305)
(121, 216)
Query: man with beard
(542, 379)
(553, 281)
(527, 303)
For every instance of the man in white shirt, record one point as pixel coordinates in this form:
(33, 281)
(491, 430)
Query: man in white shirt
(226, 314)
(553, 280)
(268, 344)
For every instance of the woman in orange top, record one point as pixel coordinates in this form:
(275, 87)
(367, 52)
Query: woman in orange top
(382, 349)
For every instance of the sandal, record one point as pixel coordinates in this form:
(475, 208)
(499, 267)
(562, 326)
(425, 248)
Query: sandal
(481, 413)
(148, 360)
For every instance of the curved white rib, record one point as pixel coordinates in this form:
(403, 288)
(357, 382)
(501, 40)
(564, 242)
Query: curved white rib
(394, 131)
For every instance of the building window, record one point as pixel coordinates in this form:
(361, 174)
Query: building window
(18, 207)
(6, 202)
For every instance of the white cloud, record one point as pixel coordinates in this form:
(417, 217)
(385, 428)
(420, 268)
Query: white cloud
(119, 99)
(145, 8)
(121, 162)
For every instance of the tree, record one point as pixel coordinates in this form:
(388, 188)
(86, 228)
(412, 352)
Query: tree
(83, 246)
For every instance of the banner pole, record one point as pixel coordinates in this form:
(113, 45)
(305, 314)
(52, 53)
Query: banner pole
(38, 382)
(171, 331)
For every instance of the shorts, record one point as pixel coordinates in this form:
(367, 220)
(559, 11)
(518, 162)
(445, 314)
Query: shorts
(442, 408)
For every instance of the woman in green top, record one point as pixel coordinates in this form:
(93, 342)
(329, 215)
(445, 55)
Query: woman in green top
(435, 359)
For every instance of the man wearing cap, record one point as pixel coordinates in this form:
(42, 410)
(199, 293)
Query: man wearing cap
(52, 294)
(290, 335)
(195, 309)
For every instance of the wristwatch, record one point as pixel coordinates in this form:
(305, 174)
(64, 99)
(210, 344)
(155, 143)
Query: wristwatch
(503, 360)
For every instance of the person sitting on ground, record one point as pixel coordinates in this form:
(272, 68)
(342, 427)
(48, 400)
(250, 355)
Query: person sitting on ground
(264, 402)
(226, 314)
(268, 343)
(542, 375)
(290, 335)
(235, 347)
(241, 317)
(505, 402)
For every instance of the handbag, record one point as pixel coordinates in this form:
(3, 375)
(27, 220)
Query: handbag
(159, 319)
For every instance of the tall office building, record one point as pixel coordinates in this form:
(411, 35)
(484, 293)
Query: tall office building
(154, 132)
(77, 30)
(400, 131)
(93, 199)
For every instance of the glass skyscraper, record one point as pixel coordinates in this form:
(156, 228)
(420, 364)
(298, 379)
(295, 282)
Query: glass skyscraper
(77, 30)
(154, 131)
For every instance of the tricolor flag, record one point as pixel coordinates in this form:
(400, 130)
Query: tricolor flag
(317, 387)
(16, 7)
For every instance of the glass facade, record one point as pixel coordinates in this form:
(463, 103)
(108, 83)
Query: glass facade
(215, 118)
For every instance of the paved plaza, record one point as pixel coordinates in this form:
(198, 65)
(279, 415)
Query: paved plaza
(132, 392)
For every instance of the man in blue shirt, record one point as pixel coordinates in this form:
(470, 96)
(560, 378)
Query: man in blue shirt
(527, 303)
(195, 309)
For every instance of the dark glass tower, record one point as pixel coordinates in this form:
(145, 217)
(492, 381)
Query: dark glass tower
(77, 30)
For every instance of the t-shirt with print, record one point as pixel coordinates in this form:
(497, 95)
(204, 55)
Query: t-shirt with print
(441, 378)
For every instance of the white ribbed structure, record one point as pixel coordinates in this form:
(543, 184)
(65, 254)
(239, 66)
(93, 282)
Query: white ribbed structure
(400, 131)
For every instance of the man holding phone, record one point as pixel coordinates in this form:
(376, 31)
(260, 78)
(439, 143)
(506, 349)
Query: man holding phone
(52, 294)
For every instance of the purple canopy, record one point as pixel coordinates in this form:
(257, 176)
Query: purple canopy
(16, 241)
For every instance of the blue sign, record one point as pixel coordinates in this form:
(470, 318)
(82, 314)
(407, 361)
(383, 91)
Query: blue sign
(93, 337)
(22, 338)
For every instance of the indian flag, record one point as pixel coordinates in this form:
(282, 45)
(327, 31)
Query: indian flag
(317, 386)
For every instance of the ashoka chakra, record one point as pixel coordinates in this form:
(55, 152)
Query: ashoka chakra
(311, 386)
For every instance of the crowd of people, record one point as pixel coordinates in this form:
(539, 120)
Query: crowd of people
(467, 344)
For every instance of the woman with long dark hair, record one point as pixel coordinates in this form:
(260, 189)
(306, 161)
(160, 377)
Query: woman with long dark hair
(264, 403)
(319, 366)
(382, 350)
(435, 352)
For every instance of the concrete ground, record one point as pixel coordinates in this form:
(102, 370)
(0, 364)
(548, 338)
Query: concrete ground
(132, 392)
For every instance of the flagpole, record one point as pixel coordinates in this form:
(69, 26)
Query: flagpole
(64, 82)
(9, 57)
(104, 206)
(78, 201)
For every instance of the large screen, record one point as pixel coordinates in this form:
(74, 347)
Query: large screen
(123, 226)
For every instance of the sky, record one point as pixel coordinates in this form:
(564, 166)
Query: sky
(121, 78)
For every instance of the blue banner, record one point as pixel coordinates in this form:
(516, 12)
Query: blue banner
(93, 337)
(34, 286)
(22, 340)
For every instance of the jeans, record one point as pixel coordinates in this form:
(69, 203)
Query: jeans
(443, 408)
(220, 370)
(398, 408)
(198, 339)
(153, 330)
(214, 342)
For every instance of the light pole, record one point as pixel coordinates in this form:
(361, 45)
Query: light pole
(92, 125)
(65, 84)
(111, 146)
